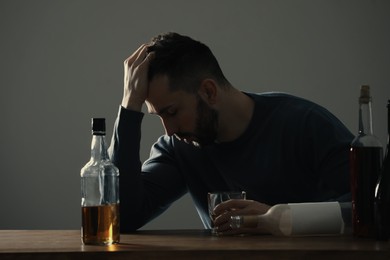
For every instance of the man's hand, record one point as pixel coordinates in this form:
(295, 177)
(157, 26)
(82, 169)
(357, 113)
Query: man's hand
(136, 79)
(234, 207)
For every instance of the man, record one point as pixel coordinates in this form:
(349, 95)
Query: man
(276, 147)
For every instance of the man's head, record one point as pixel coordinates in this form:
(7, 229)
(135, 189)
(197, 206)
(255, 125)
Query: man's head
(184, 61)
(183, 79)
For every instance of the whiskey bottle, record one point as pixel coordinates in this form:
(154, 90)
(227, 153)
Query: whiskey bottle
(99, 193)
(382, 192)
(365, 163)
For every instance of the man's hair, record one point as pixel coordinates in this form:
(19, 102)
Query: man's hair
(185, 61)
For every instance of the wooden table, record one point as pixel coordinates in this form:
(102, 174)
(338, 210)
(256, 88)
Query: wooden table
(186, 244)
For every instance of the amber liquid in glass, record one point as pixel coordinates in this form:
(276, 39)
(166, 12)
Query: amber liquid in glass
(100, 224)
(365, 166)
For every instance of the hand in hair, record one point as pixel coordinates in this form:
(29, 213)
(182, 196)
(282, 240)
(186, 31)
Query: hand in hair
(136, 79)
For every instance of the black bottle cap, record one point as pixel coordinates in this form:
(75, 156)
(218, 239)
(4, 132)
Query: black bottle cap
(98, 126)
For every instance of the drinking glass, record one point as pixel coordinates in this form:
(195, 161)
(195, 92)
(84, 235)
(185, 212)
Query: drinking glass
(215, 198)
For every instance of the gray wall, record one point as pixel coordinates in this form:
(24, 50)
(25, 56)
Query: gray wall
(61, 64)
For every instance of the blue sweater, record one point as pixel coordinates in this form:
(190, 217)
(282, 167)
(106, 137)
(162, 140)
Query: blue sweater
(292, 151)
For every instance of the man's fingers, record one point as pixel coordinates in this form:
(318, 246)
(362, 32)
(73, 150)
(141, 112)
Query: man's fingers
(226, 209)
(145, 62)
(235, 207)
(231, 204)
(130, 60)
(222, 218)
(141, 56)
(135, 79)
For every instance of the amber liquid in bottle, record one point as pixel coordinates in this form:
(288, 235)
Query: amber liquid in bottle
(99, 193)
(100, 224)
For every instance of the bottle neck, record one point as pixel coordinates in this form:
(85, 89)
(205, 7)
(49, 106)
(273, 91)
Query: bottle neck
(365, 118)
(98, 148)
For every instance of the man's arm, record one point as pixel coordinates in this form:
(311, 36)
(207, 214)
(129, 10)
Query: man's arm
(140, 200)
(124, 153)
(329, 141)
(143, 195)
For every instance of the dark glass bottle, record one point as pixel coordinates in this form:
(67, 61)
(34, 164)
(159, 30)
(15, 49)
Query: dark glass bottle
(365, 163)
(99, 192)
(382, 192)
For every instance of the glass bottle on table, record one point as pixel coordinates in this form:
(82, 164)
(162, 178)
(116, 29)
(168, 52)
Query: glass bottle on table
(298, 219)
(382, 192)
(99, 192)
(365, 163)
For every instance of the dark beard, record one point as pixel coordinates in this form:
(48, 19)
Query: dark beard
(206, 124)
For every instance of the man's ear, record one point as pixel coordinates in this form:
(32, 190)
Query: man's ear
(208, 91)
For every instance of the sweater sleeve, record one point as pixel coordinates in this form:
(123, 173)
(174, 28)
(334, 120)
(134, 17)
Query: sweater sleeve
(143, 195)
(329, 141)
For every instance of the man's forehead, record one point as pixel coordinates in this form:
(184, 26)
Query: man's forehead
(159, 104)
(158, 83)
(158, 94)
(161, 97)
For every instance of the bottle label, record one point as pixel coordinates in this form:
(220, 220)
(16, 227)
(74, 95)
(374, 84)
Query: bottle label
(320, 218)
